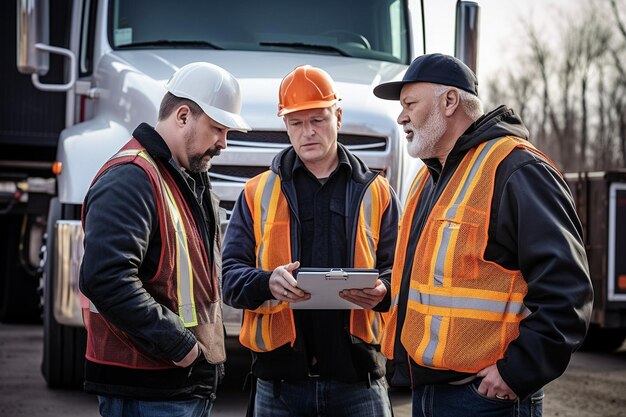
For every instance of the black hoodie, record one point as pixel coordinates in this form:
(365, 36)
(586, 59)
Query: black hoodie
(534, 228)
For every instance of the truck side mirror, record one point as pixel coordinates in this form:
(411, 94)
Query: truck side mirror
(32, 45)
(32, 28)
(466, 36)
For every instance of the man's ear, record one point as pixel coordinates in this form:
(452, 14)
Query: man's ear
(452, 99)
(339, 116)
(183, 113)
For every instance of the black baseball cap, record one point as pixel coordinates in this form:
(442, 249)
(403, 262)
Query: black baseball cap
(432, 68)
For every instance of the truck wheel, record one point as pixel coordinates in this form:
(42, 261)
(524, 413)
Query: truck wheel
(603, 340)
(19, 302)
(63, 361)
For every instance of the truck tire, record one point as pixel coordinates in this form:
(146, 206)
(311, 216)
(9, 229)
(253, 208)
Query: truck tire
(603, 339)
(19, 300)
(63, 363)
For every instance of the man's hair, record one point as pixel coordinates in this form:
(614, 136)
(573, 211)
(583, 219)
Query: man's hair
(170, 103)
(472, 106)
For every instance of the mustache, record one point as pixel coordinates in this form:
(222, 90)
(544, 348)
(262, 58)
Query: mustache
(213, 152)
(408, 127)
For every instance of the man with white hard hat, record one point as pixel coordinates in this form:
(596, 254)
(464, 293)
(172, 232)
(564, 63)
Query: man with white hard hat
(152, 262)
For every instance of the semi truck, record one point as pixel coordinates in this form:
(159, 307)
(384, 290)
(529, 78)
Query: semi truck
(91, 70)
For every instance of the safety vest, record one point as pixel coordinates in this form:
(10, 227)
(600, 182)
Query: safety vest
(272, 324)
(462, 310)
(185, 281)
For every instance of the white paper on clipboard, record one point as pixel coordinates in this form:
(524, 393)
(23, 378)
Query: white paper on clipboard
(324, 285)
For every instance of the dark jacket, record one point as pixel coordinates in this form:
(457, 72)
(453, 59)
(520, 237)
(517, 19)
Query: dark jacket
(534, 228)
(122, 249)
(247, 287)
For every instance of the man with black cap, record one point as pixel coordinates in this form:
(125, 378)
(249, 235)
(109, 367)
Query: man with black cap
(491, 290)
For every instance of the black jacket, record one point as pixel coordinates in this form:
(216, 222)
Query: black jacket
(122, 249)
(247, 287)
(534, 228)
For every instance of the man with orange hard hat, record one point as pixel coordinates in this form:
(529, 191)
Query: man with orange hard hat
(317, 206)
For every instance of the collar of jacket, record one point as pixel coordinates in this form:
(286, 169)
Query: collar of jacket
(152, 141)
(287, 160)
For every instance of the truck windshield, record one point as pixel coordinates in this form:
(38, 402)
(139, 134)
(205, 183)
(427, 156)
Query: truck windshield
(370, 29)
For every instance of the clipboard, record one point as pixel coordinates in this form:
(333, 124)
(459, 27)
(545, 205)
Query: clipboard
(324, 285)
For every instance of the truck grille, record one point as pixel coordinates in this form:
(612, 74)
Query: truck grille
(278, 139)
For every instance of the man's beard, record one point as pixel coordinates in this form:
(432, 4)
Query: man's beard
(425, 139)
(198, 163)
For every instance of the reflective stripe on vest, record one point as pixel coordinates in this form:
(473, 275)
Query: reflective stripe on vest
(272, 325)
(184, 270)
(462, 311)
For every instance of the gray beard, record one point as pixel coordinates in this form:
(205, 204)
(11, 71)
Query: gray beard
(425, 139)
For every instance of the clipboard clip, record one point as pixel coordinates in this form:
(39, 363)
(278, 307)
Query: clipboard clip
(337, 273)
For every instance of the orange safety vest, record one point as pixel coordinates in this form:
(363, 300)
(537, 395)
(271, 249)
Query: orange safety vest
(272, 325)
(184, 279)
(462, 310)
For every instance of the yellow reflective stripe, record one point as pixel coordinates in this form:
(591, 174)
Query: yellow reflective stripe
(417, 182)
(366, 219)
(376, 324)
(259, 210)
(127, 152)
(271, 196)
(266, 196)
(441, 312)
(428, 324)
(259, 332)
(455, 303)
(184, 270)
(446, 238)
(394, 301)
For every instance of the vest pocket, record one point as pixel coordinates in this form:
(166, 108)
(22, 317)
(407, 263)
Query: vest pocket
(458, 252)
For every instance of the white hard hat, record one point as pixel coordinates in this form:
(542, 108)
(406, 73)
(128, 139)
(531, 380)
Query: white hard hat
(212, 88)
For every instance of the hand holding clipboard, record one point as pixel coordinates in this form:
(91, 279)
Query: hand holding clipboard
(337, 288)
(284, 286)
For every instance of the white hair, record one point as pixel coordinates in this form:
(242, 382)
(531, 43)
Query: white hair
(471, 104)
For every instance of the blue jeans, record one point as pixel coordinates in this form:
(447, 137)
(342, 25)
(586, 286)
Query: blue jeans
(321, 397)
(124, 407)
(444, 400)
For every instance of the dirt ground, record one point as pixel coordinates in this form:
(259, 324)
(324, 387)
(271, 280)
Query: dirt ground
(594, 385)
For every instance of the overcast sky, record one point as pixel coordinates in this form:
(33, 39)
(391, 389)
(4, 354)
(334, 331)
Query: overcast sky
(501, 28)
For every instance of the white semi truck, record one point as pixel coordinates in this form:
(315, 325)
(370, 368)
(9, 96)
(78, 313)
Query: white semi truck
(109, 61)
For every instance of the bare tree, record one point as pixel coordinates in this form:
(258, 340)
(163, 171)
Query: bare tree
(618, 53)
(594, 37)
(572, 92)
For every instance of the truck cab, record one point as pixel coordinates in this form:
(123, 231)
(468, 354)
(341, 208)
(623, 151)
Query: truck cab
(116, 60)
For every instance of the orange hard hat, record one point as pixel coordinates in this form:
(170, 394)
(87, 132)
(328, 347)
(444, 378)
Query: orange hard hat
(306, 87)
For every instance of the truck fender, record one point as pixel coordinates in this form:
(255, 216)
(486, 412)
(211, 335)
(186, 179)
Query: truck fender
(83, 149)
